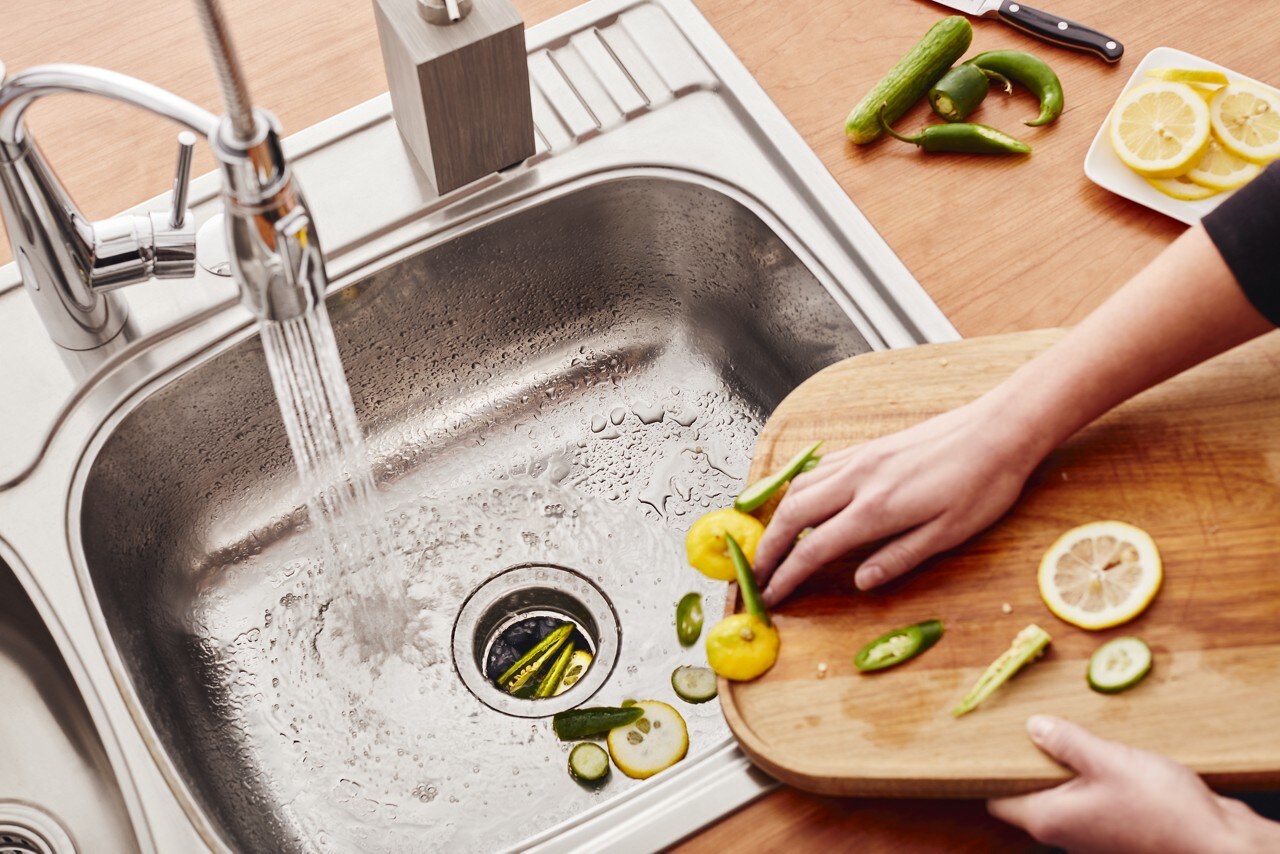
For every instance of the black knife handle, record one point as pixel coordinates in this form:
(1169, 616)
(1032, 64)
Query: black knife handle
(1059, 30)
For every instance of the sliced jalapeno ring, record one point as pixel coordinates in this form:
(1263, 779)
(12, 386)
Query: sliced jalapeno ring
(689, 619)
(1030, 71)
(898, 646)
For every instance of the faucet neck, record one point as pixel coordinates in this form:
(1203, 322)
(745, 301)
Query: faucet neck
(68, 263)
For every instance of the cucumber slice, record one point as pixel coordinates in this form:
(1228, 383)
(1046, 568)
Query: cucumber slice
(650, 744)
(1118, 665)
(762, 490)
(694, 684)
(577, 724)
(588, 763)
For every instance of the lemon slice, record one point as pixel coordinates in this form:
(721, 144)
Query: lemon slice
(1160, 129)
(1202, 76)
(1182, 188)
(1101, 574)
(1247, 121)
(1219, 169)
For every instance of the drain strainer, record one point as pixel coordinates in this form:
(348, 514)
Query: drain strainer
(520, 594)
(25, 829)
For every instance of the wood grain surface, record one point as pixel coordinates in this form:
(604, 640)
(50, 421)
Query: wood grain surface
(999, 246)
(1191, 462)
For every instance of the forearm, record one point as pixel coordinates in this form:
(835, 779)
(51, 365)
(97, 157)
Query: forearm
(1181, 309)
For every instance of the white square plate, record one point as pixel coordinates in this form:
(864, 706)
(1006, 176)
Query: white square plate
(1105, 169)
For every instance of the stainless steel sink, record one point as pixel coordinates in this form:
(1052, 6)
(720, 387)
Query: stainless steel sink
(557, 368)
(57, 786)
(586, 377)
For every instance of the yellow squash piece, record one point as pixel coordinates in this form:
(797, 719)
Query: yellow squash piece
(742, 646)
(707, 549)
(653, 743)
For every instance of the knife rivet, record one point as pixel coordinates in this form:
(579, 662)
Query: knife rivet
(1111, 45)
(1062, 25)
(1013, 7)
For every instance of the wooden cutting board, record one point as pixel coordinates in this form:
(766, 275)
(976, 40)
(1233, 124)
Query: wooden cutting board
(1195, 461)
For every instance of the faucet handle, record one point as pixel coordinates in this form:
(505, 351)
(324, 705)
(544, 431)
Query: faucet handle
(178, 210)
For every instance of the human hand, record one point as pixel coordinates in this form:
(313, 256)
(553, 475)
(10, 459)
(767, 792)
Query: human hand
(929, 487)
(1128, 800)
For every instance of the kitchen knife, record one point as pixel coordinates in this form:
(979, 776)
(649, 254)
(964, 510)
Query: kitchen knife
(1042, 25)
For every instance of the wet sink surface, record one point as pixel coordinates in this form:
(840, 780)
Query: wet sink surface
(568, 387)
(57, 788)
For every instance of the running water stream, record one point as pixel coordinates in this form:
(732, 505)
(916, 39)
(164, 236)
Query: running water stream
(337, 480)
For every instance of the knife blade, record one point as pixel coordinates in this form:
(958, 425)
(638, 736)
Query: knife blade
(1042, 25)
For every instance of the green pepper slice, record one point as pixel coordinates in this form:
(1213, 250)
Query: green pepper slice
(962, 138)
(762, 490)
(519, 677)
(899, 645)
(1030, 71)
(747, 581)
(689, 619)
(547, 687)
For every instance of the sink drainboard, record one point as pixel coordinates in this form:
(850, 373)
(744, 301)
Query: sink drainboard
(534, 590)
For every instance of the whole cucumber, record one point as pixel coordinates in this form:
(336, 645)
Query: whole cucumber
(907, 82)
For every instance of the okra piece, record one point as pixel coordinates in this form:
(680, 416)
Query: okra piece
(1027, 646)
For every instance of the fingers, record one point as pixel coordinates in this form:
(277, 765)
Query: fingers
(798, 511)
(1071, 744)
(1022, 810)
(854, 526)
(904, 554)
(1039, 813)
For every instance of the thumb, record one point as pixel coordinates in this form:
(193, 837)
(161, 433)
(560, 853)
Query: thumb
(1070, 744)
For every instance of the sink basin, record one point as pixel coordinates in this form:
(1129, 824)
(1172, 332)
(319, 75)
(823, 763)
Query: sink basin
(557, 368)
(57, 788)
(566, 388)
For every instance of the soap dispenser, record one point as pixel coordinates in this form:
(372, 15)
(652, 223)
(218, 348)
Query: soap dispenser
(458, 74)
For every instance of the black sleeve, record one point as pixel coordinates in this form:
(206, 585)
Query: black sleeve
(1246, 230)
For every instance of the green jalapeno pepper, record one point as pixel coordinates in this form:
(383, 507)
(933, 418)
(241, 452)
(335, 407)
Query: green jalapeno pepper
(1031, 72)
(962, 89)
(963, 138)
(898, 646)
(689, 619)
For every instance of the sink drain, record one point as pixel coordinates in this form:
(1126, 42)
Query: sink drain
(521, 595)
(24, 829)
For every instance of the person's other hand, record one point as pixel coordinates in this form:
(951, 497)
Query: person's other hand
(1128, 800)
(928, 488)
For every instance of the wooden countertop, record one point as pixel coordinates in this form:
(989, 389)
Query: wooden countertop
(1000, 245)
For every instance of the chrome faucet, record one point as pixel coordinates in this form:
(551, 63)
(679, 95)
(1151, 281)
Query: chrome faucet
(70, 265)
